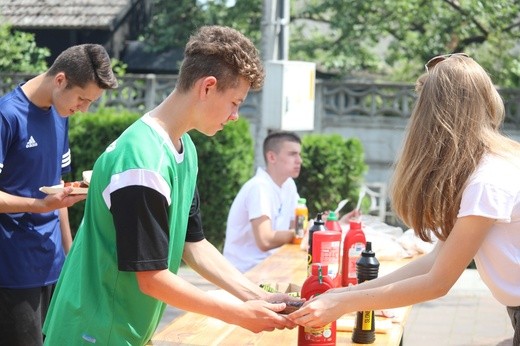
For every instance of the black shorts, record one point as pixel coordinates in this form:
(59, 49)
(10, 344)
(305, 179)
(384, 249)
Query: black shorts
(22, 314)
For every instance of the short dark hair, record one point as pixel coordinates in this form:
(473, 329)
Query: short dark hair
(221, 52)
(274, 140)
(83, 64)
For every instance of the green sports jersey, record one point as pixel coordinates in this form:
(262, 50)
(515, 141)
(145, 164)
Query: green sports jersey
(94, 302)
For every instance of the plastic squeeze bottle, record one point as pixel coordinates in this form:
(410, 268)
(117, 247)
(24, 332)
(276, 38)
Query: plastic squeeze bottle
(353, 245)
(316, 284)
(300, 221)
(326, 250)
(318, 225)
(332, 224)
(367, 268)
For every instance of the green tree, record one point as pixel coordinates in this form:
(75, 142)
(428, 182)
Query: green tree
(244, 16)
(394, 38)
(385, 39)
(173, 21)
(19, 52)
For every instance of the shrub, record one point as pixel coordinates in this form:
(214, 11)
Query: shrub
(89, 135)
(332, 170)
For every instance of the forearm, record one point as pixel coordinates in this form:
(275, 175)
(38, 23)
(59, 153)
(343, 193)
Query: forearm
(206, 260)
(416, 267)
(173, 290)
(280, 238)
(66, 234)
(410, 284)
(16, 204)
(266, 237)
(403, 293)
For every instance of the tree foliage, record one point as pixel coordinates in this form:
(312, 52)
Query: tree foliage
(174, 21)
(395, 37)
(19, 52)
(385, 39)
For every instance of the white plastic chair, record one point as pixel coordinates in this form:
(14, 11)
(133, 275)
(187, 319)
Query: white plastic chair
(377, 193)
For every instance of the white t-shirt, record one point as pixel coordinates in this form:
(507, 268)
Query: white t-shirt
(493, 191)
(259, 196)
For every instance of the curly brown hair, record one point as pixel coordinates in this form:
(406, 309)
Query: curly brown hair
(221, 52)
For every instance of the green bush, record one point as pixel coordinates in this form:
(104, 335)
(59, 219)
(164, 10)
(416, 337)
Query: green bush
(332, 169)
(89, 135)
(226, 162)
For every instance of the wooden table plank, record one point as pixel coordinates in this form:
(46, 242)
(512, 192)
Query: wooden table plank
(287, 265)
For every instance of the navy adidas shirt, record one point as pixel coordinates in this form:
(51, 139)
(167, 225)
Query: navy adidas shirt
(34, 152)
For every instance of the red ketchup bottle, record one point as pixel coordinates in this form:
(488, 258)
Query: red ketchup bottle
(332, 224)
(317, 225)
(316, 284)
(353, 245)
(326, 249)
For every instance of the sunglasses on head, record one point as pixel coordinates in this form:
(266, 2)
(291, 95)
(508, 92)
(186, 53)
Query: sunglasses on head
(434, 61)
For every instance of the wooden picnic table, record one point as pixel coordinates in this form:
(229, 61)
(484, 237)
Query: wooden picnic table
(287, 265)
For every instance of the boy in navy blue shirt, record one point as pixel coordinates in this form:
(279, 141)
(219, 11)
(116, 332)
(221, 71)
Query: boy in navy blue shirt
(34, 152)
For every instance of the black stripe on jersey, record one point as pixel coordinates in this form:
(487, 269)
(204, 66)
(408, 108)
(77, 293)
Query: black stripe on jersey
(195, 232)
(142, 234)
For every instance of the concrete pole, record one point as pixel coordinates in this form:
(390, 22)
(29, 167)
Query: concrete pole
(275, 30)
(274, 46)
(284, 19)
(269, 34)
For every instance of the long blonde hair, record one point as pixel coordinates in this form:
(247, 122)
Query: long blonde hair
(455, 121)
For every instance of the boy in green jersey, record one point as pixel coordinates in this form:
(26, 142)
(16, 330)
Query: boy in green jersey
(142, 216)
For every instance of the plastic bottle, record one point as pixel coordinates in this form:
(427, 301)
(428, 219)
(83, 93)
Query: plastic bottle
(326, 250)
(318, 225)
(332, 224)
(367, 268)
(300, 221)
(353, 245)
(316, 284)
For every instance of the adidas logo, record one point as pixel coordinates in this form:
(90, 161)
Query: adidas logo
(31, 143)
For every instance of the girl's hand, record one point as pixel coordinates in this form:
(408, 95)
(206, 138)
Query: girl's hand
(354, 214)
(319, 311)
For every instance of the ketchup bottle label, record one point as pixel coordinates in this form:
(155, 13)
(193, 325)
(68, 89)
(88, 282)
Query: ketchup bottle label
(353, 255)
(330, 256)
(318, 334)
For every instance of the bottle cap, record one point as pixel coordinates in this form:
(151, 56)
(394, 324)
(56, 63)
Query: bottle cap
(318, 220)
(332, 216)
(367, 252)
(302, 200)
